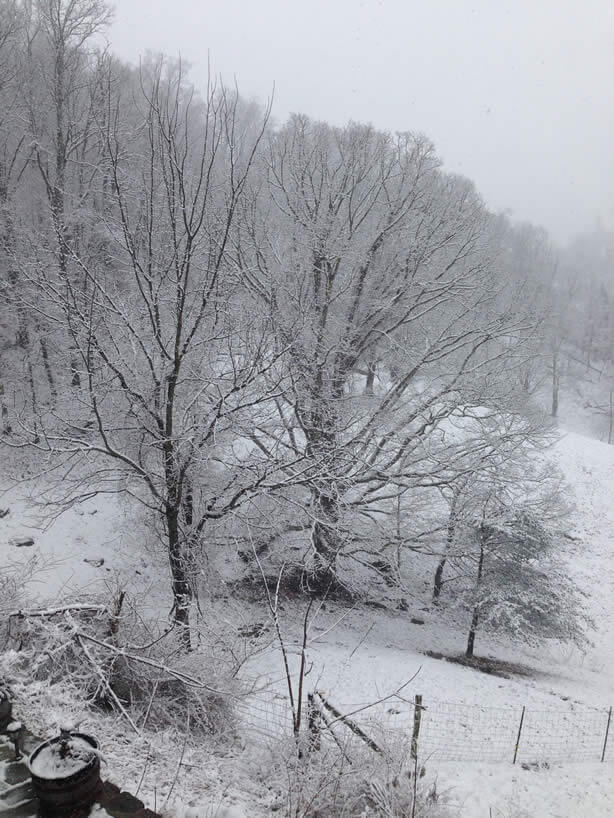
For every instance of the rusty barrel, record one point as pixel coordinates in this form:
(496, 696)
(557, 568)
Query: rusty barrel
(6, 709)
(76, 786)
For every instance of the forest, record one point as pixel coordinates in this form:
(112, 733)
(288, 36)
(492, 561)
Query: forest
(316, 367)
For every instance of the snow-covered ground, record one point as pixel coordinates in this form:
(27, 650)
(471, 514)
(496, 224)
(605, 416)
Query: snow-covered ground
(370, 652)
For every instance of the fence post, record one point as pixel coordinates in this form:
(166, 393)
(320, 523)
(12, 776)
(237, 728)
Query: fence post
(518, 736)
(607, 730)
(416, 733)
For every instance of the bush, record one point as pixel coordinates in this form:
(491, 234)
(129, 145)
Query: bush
(328, 783)
(152, 681)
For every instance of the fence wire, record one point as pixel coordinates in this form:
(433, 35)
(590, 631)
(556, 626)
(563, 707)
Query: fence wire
(455, 731)
(461, 732)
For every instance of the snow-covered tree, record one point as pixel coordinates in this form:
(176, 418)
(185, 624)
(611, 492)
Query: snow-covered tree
(520, 584)
(382, 276)
(501, 465)
(169, 356)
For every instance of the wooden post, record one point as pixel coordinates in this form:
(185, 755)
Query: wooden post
(607, 730)
(518, 736)
(416, 732)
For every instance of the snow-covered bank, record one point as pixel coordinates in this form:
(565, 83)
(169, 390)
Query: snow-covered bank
(367, 654)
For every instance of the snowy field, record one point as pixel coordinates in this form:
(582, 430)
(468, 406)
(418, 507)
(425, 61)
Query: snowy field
(358, 656)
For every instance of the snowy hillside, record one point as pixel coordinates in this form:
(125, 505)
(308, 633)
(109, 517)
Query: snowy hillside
(361, 654)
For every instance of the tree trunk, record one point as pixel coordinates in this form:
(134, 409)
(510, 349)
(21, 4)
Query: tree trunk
(325, 537)
(7, 245)
(178, 558)
(58, 193)
(180, 577)
(34, 401)
(6, 424)
(472, 632)
(371, 366)
(188, 504)
(438, 581)
(555, 385)
(476, 608)
(48, 370)
(323, 450)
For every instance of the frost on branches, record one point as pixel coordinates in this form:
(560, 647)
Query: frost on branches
(518, 583)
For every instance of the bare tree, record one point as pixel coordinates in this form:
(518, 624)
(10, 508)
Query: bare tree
(173, 359)
(381, 274)
(59, 53)
(12, 164)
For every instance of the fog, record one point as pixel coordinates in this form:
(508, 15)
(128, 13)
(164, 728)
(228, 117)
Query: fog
(307, 444)
(517, 96)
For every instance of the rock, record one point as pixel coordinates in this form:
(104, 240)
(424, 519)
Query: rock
(415, 621)
(21, 542)
(95, 563)
(4, 512)
(403, 605)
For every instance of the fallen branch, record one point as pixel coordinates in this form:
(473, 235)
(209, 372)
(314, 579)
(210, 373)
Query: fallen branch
(349, 723)
(329, 726)
(62, 609)
(190, 681)
(101, 674)
(396, 694)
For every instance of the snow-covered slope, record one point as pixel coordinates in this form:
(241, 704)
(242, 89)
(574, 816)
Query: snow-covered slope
(371, 652)
(353, 668)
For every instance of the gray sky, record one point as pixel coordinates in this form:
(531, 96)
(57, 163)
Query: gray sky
(519, 96)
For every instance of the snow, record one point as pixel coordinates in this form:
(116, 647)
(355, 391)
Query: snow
(567, 683)
(55, 761)
(365, 656)
(564, 791)
(64, 561)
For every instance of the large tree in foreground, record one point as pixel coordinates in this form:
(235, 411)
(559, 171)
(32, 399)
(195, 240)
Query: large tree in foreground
(380, 273)
(170, 357)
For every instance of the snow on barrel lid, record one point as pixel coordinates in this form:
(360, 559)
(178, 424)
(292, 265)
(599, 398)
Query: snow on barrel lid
(61, 759)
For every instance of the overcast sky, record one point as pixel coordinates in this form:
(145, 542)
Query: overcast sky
(519, 96)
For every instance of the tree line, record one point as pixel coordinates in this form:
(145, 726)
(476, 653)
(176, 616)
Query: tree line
(310, 339)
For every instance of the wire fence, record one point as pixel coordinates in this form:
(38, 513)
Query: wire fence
(459, 732)
(452, 731)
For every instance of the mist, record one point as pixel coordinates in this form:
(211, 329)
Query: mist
(516, 96)
(306, 408)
